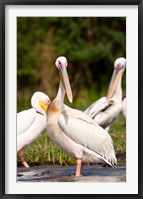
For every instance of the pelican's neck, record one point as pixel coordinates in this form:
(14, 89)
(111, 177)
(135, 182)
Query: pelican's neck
(60, 95)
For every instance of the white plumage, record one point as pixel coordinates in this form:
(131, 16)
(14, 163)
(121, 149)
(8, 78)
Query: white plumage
(96, 145)
(75, 132)
(31, 122)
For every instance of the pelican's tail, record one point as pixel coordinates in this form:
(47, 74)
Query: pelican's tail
(112, 161)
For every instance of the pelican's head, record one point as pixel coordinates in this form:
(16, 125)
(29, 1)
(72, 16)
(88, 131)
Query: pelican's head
(119, 67)
(61, 63)
(40, 102)
(120, 63)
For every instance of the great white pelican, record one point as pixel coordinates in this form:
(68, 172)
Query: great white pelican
(75, 132)
(31, 122)
(106, 110)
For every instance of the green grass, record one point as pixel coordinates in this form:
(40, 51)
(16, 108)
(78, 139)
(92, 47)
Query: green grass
(118, 134)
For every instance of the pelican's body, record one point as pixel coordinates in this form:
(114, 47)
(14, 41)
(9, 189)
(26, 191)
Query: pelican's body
(75, 132)
(124, 104)
(30, 123)
(106, 110)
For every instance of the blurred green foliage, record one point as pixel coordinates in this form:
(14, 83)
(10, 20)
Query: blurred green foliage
(91, 45)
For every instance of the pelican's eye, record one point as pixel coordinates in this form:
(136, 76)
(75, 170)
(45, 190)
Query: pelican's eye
(49, 101)
(59, 62)
(118, 66)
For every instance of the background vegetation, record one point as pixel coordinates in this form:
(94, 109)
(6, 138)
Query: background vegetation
(91, 45)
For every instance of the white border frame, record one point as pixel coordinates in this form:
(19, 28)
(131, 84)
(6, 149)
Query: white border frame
(131, 184)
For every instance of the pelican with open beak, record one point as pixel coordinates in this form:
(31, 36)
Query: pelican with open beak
(75, 132)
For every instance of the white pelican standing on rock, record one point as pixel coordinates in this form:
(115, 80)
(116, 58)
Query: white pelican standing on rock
(31, 122)
(75, 132)
(106, 110)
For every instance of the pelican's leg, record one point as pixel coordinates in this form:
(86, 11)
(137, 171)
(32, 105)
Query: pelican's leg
(78, 167)
(21, 158)
(23, 161)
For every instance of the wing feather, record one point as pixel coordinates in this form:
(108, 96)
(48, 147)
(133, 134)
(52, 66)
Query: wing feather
(96, 107)
(88, 135)
(104, 112)
(75, 113)
(31, 133)
(108, 116)
(25, 119)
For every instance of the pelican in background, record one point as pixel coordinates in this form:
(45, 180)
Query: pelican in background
(124, 104)
(31, 122)
(75, 132)
(106, 110)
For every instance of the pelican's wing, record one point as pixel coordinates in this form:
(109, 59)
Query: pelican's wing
(109, 115)
(88, 135)
(75, 113)
(25, 120)
(69, 110)
(97, 107)
(32, 132)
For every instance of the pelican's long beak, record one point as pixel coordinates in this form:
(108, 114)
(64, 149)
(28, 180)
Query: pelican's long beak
(43, 105)
(66, 83)
(116, 77)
